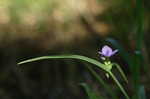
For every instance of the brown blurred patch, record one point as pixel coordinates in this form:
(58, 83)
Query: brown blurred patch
(48, 26)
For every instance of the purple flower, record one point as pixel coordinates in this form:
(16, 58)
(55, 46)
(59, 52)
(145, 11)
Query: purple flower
(107, 51)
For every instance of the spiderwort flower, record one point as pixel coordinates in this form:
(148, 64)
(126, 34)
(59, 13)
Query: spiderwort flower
(107, 51)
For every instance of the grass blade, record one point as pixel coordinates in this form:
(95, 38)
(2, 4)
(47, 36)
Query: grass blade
(79, 57)
(121, 72)
(101, 82)
(119, 85)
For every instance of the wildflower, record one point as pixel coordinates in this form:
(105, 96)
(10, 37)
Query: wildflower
(107, 51)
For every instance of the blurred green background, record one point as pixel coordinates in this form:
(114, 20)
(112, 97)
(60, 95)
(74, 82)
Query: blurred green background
(31, 28)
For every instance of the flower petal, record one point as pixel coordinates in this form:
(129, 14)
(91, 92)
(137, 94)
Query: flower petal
(114, 52)
(106, 51)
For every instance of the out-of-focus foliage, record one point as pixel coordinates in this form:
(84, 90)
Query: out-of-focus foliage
(51, 21)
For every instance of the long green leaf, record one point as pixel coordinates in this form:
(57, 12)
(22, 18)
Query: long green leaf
(90, 60)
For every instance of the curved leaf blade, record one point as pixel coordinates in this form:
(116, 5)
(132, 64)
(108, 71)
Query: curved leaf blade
(79, 57)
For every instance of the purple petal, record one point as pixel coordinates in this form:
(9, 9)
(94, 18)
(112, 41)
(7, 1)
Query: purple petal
(106, 51)
(114, 52)
(101, 53)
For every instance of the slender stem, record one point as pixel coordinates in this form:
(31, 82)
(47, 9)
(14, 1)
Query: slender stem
(139, 19)
(121, 71)
(102, 82)
(119, 85)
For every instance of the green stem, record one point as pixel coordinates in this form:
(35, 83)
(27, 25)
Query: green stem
(119, 85)
(102, 82)
(121, 71)
(139, 19)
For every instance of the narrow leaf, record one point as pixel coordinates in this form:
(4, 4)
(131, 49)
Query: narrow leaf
(119, 85)
(79, 57)
(102, 83)
(121, 72)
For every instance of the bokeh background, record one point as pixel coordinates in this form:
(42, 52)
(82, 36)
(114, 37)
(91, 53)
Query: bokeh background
(31, 28)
